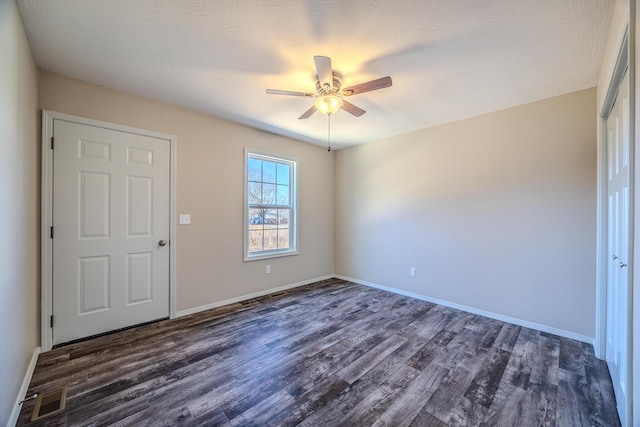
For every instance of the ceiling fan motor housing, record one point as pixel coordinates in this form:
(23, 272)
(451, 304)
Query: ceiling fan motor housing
(326, 90)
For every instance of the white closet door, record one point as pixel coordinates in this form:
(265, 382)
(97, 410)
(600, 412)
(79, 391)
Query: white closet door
(617, 342)
(111, 213)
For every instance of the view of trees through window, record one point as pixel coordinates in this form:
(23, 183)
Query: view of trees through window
(269, 192)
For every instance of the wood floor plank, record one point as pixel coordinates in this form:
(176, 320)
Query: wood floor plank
(483, 387)
(518, 370)
(546, 359)
(570, 356)
(508, 337)
(467, 413)
(425, 419)
(261, 414)
(542, 406)
(379, 399)
(392, 371)
(364, 400)
(326, 392)
(599, 391)
(368, 360)
(462, 370)
(332, 353)
(573, 405)
(515, 406)
(404, 410)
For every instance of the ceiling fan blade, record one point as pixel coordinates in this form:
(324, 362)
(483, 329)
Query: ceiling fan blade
(287, 92)
(325, 73)
(368, 86)
(309, 112)
(352, 109)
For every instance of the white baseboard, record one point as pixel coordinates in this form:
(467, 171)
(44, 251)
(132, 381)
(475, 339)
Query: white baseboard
(15, 413)
(503, 318)
(217, 304)
(472, 310)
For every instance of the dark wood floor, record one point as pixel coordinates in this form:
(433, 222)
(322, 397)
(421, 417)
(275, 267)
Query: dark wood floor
(329, 354)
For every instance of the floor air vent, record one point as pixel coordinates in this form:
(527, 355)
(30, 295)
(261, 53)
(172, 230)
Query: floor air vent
(49, 403)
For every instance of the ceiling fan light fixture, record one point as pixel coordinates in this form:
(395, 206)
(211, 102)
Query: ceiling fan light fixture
(329, 104)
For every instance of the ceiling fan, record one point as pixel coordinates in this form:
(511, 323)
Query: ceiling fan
(329, 92)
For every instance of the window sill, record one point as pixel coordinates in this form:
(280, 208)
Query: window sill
(269, 255)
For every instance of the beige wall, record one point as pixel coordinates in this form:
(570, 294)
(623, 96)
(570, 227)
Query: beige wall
(495, 212)
(210, 155)
(19, 207)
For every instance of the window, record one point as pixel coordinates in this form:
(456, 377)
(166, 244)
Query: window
(270, 206)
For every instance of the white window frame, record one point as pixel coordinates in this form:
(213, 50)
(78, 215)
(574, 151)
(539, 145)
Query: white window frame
(293, 197)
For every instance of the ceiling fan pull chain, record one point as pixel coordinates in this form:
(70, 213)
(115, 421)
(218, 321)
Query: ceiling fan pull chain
(329, 134)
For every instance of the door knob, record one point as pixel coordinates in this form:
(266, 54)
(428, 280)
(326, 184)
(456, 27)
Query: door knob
(162, 242)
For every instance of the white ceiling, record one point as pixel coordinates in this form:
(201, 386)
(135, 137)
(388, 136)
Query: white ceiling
(449, 59)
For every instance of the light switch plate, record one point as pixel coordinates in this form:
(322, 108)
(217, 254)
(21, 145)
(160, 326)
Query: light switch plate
(185, 219)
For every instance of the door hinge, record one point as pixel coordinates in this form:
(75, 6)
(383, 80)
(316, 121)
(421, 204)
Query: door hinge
(51, 320)
(51, 232)
(52, 143)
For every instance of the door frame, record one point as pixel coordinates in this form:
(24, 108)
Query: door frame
(46, 203)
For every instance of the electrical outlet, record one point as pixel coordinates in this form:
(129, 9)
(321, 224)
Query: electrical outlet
(268, 269)
(412, 272)
(185, 219)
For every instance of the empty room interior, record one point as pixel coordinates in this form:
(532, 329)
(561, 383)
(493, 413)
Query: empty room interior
(416, 213)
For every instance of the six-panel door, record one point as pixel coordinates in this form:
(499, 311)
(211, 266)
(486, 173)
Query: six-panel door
(617, 343)
(111, 209)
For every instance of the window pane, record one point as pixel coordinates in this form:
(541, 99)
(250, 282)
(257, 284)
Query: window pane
(283, 194)
(256, 218)
(268, 194)
(254, 212)
(254, 193)
(270, 239)
(254, 169)
(283, 218)
(268, 171)
(283, 173)
(283, 238)
(255, 240)
(271, 219)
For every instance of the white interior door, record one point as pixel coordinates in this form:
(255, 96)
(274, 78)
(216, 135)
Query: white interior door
(111, 213)
(617, 343)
